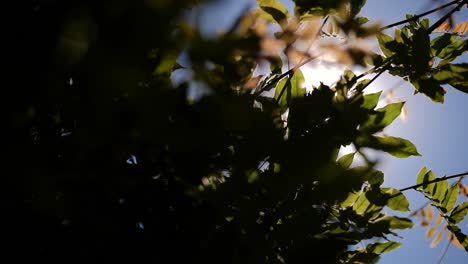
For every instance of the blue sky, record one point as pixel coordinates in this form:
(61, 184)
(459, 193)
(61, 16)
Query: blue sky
(440, 131)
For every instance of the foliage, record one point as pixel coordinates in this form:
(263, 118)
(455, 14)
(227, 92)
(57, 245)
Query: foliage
(108, 159)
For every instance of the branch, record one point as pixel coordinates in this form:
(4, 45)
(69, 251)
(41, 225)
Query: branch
(442, 19)
(444, 252)
(416, 17)
(434, 181)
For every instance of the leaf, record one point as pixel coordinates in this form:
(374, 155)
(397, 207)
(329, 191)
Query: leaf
(364, 207)
(453, 50)
(352, 197)
(395, 222)
(440, 42)
(330, 28)
(395, 146)
(379, 248)
(439, 219)
(459, 213)
(429, 214)
(453, 239)
(453, 74)
(382, 118)
(423, 177)
(462, 238)
(437, 239)
(377, 178)
(383, 39)
(356, 6)
(439, 191)
(274, 10)
(371, 100)
(397, 201)
(461, 28)
(290, 88)
(346, 160)
(431, 88)
(431, 232)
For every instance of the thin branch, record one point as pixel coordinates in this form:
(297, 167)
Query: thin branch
(416, 17)
(444, 252)
(442, 19)
(434, 181)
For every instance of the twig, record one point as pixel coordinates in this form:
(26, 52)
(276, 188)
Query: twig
(442, 19)
(416, 17)
(434, 181)
(444, 252)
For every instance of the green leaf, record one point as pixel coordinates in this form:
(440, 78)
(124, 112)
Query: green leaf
(439, 191)
(397, 200)
(450, 199)
(362, 20)
(395, 146)
(425, 176)
(459, 213)
(454, 74)
(167, 64)
(356, 6)
(290, 88)
(363, 206)
(371, 100)
(453, 50)
(394, 222)
(274, 10)
(440, 42)
(431, 88)
(379, 248)
(377, 178)
(383, 40)
(352, 197)
(346, 160)
(382, 117)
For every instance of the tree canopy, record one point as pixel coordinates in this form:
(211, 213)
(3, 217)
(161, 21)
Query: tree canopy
(108, 159)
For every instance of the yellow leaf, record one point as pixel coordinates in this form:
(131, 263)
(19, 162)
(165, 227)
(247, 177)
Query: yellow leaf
(437, 239)
(424, 223)
(461, 27)
(430, 232)
(429, 214)
(439, 219)
(330, 28)
(444, 27)
(455, 241)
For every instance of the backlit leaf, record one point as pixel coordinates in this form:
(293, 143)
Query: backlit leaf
(431, 232)
(382, 118)
(397, 201)
(289, 88)
(383, 39)
(395, 146)
(380, 248)
(274, 10)
(371, 100)
(459, 213)
(346, 160)
(462, 238)
(429, 214)
(437, 239)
